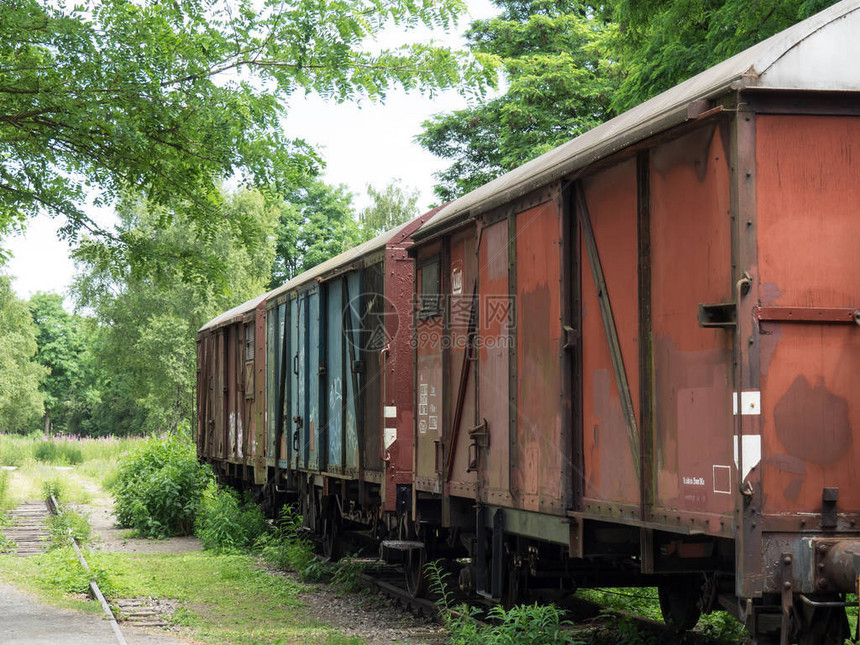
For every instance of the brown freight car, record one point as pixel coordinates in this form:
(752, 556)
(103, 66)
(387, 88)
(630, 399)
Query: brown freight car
(305, 392)
(583, 324)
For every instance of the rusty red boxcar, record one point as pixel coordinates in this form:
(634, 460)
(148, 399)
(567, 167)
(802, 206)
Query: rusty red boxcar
(637, 355)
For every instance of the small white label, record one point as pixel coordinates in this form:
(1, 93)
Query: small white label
(694, 481)
(390, 411)
(750, 402)
(390, 437)
(457, 279)
(752, 453)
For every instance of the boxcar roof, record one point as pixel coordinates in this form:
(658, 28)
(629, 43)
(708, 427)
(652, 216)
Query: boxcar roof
(819, 53)
(235, 312)
(394, 236)
(341, 260)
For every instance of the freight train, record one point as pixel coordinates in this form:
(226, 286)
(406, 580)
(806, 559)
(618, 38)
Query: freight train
(632, 361)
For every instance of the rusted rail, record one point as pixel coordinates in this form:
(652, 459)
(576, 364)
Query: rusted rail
(54, 509)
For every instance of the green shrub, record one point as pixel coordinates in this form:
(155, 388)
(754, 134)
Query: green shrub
(226, 524)
(58, 452)
(159, 487)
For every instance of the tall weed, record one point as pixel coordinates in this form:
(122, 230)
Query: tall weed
(287, 548)
(58, 452)
(227, 524)
(520, 625)
(68, 524)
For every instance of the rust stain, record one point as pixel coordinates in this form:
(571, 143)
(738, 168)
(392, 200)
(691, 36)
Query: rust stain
(769, 293)
(813, 423)
(792, 490)
(787, 463)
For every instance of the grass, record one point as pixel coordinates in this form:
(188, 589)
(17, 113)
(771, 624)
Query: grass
(42, 463)
(226, 598)
(644, 602)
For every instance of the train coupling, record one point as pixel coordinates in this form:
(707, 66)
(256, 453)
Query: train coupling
(836, 565)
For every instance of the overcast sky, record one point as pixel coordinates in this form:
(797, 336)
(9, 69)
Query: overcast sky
(361, 144)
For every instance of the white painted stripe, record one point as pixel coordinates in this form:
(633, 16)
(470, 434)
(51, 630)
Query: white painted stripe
(390, 411)
(390, 437)
(752, 453)
(750, 402)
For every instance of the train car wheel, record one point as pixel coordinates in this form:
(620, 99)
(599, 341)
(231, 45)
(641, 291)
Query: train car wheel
(332, 539)
(416, 575)
(680, 602)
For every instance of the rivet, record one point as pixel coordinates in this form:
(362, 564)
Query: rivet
(786, 559)
(786, 584)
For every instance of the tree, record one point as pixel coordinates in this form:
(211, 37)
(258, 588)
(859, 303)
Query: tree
(64, 349)
(148, 314)
(317, 222)
(21, 402)
(167, 98)
(390, 207)
(559, 80)
(660, 43)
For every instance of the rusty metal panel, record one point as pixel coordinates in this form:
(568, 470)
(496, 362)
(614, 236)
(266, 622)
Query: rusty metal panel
(398, 365)
(495, 328)
(808, 194)
(610, 459)
(220, 396)
(541, 466)
(691, 264)
(258, 439)
(234, 404)
(460, 369)
(244, 420)
(272, 349)
(428, 368)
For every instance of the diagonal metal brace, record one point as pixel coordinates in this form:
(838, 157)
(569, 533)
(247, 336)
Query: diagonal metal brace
(609, 325)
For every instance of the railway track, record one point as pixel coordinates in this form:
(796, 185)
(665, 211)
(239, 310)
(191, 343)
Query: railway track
(27, 532)
(586, 616)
